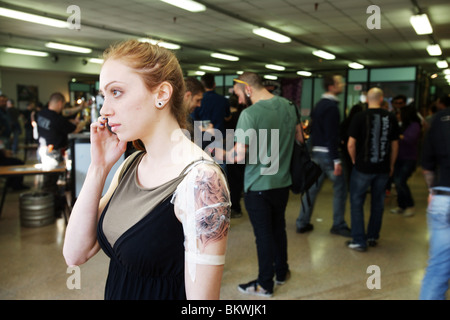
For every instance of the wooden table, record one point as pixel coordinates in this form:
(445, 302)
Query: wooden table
(24, 170)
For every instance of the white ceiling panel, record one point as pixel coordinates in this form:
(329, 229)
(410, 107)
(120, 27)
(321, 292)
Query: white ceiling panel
(226, 26)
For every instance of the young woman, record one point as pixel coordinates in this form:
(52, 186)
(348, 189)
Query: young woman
(165, 217)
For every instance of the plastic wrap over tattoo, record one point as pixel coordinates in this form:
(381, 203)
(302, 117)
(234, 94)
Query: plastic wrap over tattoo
(202, 202)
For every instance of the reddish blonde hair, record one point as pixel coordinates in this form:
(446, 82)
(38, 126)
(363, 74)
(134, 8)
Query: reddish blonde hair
(155, 65)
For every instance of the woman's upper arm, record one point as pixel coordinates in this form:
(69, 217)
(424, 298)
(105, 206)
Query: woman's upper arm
(202, 204)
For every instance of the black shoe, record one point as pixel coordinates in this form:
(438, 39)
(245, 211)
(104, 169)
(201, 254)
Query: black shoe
(372, 242)
(308, 227)
(255, 289)
(344, 231)
(355, 246)
(279, 281)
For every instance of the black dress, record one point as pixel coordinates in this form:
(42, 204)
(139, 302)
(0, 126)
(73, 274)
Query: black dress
(147, 259)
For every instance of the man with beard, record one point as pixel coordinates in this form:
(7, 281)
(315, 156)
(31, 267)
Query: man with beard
(264, 138)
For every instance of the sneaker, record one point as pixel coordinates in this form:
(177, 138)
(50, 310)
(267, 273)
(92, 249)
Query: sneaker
(254, 288)
(397, 210)
(355, 246)
(409, 212)
(280, 282)
(344, 231)
(372, 242)
(308, 227)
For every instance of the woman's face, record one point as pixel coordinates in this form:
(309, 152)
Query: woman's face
(128, 104)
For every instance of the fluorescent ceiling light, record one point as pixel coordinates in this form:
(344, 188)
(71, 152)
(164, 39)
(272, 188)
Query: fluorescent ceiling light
(188, 5)
(224, 56)
(324, 55)
(239, 72)
(209, 68)
(434, 50)
(447, 77)
(199, 73)
(447, 71)
(270, 77)
(27, 52)
(355, 65)
(421, 24)
(304, 73)
(442, 64)
(167, 45)
(33, 18)
(275, 67)
(66, 47)
(272, 35)
(96, 60)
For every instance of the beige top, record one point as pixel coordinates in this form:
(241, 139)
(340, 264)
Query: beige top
(132, 202)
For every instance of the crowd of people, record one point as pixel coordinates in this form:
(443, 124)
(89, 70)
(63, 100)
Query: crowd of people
(185, 191)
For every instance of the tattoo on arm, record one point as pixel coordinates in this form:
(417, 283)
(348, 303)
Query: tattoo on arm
(212, 206)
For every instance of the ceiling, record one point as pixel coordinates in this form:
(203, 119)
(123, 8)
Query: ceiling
(339, 27)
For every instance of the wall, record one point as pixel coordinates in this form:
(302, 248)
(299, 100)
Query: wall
(47, 83)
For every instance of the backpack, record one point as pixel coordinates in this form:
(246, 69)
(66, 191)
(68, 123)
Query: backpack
(304, 171)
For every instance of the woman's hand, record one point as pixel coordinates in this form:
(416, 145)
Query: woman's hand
(106, 148)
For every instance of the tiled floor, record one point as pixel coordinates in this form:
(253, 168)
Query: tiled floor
(32, 265)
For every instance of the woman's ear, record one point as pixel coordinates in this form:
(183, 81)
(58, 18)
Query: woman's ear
(163, 94)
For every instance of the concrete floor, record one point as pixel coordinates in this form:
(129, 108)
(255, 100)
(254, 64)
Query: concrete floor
(322, 267)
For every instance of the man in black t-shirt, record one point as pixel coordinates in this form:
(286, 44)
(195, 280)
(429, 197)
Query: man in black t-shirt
(53, 131)
(436, 170)
(373, 148)
(53, 128)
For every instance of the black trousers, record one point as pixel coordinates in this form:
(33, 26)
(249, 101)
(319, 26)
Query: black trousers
(266, 210)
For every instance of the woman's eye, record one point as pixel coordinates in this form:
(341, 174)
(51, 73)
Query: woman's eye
(116, 93)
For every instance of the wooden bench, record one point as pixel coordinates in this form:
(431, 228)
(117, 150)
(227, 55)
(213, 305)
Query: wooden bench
(25, 170)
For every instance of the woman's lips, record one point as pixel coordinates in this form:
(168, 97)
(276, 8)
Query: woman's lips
(113, 126)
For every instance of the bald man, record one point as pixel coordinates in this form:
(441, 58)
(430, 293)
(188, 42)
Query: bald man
(373, 148)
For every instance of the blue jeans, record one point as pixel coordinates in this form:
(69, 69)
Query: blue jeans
(403, 170)
(436, 280)
(359, 185)
(339, 193)
(266, 210)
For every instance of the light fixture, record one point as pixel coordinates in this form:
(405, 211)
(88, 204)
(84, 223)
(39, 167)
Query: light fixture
(272, 35)
(14, 14)
(66, 47)
(239, 72)
(188, 5)
(434, 50)
(275, 67)
(442, 64)
(26, 52)
(209, 68)
(447, 71)
(199, 73)
(447, 76)
(355, 65)
(324, 55)
(434, 76)
(167, 45)
(304, 73)
(224, 56)
(421, 24)
(96, 60)
(270, 77)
